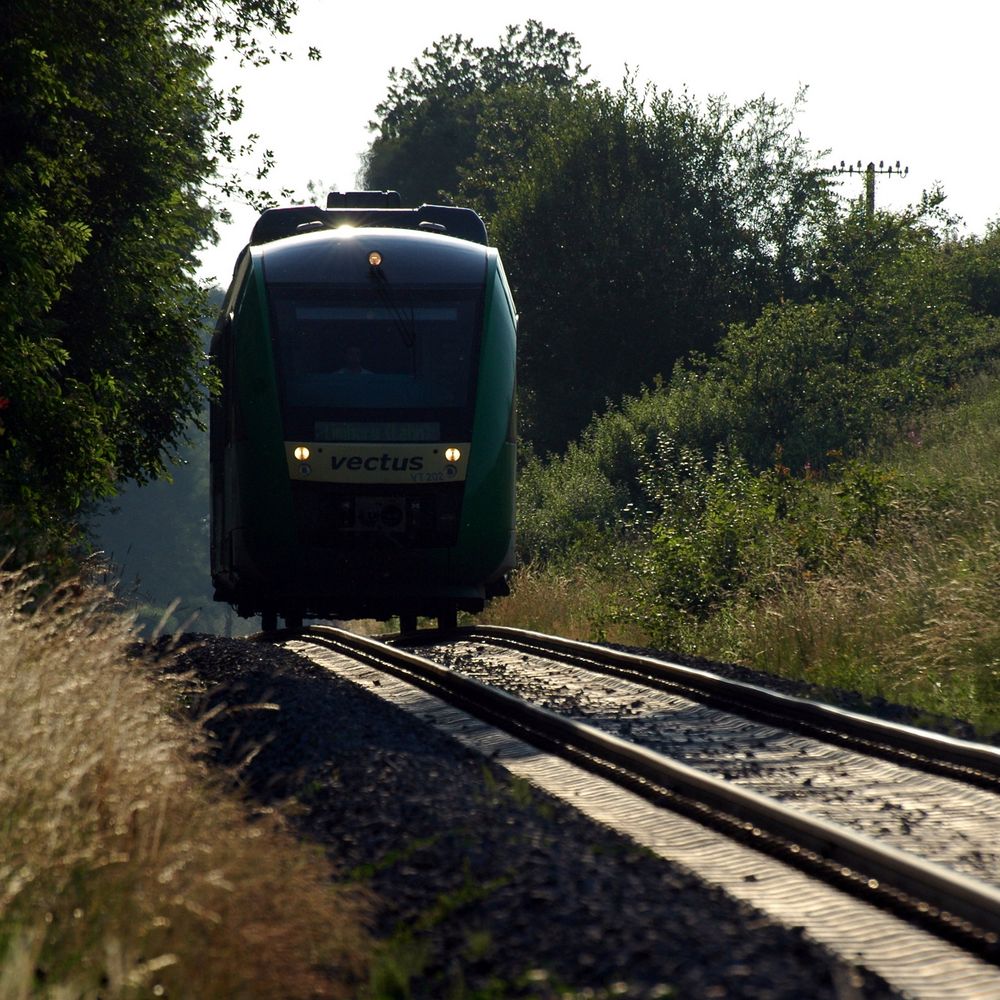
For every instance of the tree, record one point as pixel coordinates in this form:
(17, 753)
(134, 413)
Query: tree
(635, 226)
(891, 325)
(428, 126)
(109, 133)
(637, 229)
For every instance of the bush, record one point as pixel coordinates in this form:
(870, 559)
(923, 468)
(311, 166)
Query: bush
(565, 506)
(973, 265)
(724, 530)
(894, 325)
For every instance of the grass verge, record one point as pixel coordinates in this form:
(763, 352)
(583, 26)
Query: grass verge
(125, 868)
(913, 616)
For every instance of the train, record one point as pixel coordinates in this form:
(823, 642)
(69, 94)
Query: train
(363, 438)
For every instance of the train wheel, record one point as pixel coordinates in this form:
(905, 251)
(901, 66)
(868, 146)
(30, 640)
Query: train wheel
(448, 619)
(407, 623)
(269, 620)
(293, 622)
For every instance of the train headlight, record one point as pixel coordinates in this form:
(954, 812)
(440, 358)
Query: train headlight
(301, 453)
(375, 259)
(452, 454)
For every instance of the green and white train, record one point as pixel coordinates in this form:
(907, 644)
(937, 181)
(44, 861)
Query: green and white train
(363, 444)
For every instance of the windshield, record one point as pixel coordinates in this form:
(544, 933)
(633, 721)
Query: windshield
(374, 363)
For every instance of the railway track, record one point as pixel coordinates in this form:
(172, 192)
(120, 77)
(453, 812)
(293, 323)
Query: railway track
(973, 763)
(952, 904)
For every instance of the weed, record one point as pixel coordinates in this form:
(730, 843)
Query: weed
(392, 858)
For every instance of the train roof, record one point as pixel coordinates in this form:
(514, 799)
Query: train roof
(369, 210)
(343, 256)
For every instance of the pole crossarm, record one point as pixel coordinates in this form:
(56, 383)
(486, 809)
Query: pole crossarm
(869, 173)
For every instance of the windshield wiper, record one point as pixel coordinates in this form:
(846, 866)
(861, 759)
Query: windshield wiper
(407, 328)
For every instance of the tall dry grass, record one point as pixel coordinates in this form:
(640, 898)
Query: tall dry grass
(573, 602)
(922, 627)
(125, 869)
(919, 624)
(917, 619)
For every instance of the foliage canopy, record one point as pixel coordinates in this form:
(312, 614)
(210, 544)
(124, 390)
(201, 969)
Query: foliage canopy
(718, 471)
(645, 224)
(428, 125)
(109, 132)
(636, 226)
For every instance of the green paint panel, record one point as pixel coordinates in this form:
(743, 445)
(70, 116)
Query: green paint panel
(260, 459)
(488, 509)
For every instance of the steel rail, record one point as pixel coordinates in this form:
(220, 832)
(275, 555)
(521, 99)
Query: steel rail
(957, 906)
(964, 760)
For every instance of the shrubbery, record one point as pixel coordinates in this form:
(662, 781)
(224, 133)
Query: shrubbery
(723, 529)
(113, 146)
(747, 470)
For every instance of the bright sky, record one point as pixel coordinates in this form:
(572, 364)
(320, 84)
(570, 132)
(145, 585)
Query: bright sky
(887, 81)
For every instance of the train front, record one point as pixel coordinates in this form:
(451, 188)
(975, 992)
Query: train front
(374, 469)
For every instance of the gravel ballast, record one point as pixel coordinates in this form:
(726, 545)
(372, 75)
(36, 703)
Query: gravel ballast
(938, 818)
(484, 886)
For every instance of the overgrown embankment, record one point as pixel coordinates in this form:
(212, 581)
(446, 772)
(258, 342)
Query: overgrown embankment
(125, 869)
(818, 498)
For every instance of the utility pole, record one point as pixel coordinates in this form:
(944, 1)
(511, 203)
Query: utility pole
(869, 174)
